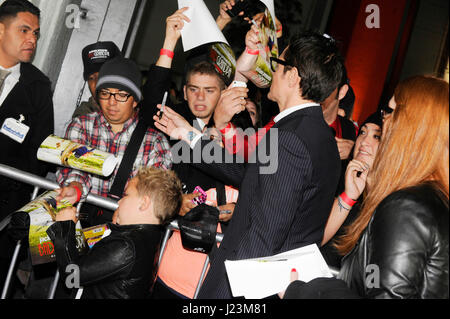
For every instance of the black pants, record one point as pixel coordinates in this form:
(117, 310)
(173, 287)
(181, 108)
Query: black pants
(161, 291)
(11, 200)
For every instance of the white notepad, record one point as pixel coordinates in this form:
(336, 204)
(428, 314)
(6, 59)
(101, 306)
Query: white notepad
(262, 277)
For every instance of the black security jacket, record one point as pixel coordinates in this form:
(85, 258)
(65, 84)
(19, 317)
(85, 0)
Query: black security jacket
(120, 266)
(405, 246)
(32, 98)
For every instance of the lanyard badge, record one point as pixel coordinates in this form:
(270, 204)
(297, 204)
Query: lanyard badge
(15, 129)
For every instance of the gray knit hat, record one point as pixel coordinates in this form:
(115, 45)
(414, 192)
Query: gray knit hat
(122, 74)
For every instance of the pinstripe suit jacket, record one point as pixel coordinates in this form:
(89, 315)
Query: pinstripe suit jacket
(281, 211)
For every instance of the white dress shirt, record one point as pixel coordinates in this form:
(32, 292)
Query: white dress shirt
(10, 82)
(292, 110)
(199, 136)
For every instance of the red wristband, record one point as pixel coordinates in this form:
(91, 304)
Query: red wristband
(78, 193)
(347, 200)
(224, 130)
(280, 29)
(251, 52)
(169, 53)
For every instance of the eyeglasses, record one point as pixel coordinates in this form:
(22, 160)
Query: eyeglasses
(119, 96)
(274, 63)
(385, 111)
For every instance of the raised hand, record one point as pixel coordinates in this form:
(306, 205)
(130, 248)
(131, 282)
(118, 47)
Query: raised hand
(345, 147)
(252, 38)
(174, 25)
(356, 178)
(174, 125)
(231, 102)
(223, 19)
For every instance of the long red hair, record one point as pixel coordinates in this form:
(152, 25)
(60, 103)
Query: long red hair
(414, 149)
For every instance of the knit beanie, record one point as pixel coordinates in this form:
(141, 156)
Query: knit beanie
(374, 118)
(122, 74)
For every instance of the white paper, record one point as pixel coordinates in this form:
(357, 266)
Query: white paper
(202, 29)
(262, 277)
(270, 5)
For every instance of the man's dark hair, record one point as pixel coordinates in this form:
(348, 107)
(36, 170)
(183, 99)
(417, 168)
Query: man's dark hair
(319, 63)
(10, 9)
(348, 102)
(205, 68)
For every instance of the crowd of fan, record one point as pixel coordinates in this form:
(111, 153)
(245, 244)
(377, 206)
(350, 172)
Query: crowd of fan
(369, 194)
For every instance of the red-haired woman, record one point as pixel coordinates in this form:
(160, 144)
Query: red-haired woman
(398, 245)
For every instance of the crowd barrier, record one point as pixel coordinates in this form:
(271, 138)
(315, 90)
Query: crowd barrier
(42, 183)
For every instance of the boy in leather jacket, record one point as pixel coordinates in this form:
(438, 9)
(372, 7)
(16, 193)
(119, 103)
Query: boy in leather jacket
(123, 264)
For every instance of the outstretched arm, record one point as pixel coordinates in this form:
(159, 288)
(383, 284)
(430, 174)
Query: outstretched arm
(159, 76)
(174, 25)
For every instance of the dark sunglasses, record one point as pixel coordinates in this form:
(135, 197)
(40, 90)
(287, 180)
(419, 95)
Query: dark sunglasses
(274, 63)
(385, 111)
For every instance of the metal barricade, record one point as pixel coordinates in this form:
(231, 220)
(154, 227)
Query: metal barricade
(103, 202)
(40, 183)
(174, 226)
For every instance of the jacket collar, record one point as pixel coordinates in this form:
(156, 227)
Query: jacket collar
(312, 110)
(115, 227)
(291, 110)
(29, 74)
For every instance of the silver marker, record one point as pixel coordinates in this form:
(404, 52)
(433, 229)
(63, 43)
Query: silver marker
(163, 104)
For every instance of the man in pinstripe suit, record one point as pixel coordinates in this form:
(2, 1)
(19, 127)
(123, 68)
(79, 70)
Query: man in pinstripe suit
(286, 208)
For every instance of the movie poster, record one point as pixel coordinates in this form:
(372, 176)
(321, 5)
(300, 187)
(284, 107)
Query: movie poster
(203, 31)
(261, 73)
(42, 212)
(63, 152)
(94, 234)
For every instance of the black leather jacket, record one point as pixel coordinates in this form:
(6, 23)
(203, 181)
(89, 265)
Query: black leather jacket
(407, 240)
(120, 266)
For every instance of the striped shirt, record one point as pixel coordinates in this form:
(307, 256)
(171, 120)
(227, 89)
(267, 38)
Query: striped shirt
(94, 131)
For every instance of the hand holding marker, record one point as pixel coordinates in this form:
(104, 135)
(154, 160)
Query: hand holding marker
(163, 104)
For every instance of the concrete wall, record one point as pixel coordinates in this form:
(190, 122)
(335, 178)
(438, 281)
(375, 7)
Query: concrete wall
(106, 20)
(54, 37)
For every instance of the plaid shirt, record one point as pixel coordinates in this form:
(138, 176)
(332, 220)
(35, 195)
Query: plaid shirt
(94, 130)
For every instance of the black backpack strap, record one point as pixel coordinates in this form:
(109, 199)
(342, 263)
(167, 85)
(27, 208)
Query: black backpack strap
(221, 194)
(129, 157)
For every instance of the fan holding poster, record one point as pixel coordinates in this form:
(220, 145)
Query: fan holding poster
(34, 219)
(203, 40)
(254, 64)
